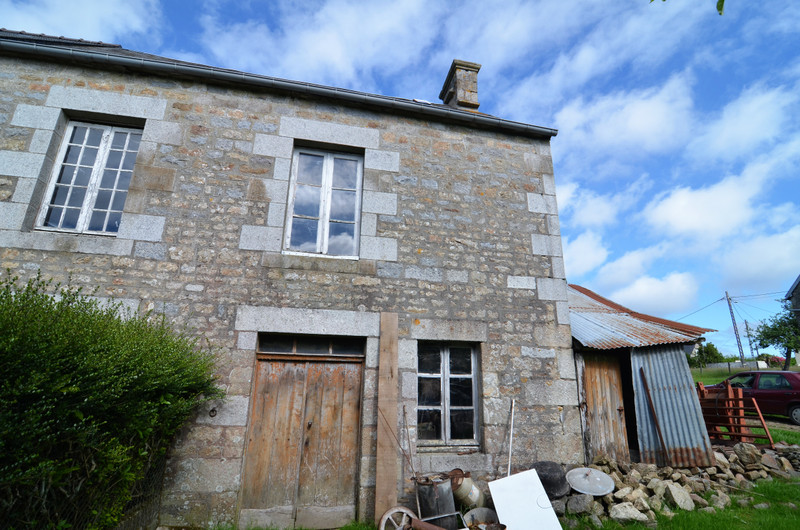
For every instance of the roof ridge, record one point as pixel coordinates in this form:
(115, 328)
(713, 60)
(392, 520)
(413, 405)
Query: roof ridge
(688, 328)
(45, 38)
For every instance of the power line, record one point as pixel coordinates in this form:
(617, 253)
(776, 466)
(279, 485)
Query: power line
(756, 295)
(706, 307)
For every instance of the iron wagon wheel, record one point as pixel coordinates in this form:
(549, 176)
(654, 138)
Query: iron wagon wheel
(396, 518)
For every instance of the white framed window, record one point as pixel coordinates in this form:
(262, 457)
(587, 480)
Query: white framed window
(447, 394)
(324, 203)
(88, 188)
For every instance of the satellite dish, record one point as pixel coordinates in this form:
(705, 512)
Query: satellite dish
(591, 481)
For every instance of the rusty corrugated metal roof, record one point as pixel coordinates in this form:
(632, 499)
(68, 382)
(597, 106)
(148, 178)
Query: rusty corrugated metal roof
(602, 324)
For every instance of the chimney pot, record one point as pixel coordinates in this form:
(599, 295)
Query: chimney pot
(460, 89)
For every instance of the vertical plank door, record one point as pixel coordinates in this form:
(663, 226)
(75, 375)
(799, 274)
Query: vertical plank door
(605, 413)
(302, 454)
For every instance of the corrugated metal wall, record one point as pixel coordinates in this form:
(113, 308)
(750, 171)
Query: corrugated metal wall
(676, 405)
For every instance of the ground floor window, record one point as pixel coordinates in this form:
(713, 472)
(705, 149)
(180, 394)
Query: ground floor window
(447, 393)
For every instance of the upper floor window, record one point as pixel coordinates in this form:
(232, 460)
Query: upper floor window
(89, 185)
(324, 203)
(447, 393)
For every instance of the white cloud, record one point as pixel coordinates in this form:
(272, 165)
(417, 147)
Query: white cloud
(630, 124)
(565, 193)
(617, 38)
(102, 20)
(674, 293)
(758, 116)
(583, 254)
(338, 42)
(728, 207)
(762, 262)
(632, 264)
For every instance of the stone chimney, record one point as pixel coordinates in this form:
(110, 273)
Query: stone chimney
(460, 89)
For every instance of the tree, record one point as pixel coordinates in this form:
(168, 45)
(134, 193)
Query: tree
(781, 331)
(720, 5)
(706, 353)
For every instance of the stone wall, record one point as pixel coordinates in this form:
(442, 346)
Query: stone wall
(459, 237)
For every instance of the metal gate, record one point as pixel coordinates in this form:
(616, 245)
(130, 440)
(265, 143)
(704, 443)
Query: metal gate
(605, 411)
(302, 450)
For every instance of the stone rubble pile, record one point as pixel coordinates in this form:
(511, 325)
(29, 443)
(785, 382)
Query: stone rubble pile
(642, 490)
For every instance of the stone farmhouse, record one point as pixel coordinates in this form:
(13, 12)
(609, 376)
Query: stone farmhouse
(383, 276)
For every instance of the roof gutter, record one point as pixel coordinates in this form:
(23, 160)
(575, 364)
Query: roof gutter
(221, 75)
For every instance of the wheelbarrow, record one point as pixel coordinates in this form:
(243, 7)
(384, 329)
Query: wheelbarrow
(437, 501)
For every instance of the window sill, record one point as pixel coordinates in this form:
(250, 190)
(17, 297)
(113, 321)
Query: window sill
(460, 449)
(57, 241)
(315, 255)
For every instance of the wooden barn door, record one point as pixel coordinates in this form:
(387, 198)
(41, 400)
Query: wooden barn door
(605, 412)
(302, 453)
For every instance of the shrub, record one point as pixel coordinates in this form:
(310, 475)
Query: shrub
(88, 400)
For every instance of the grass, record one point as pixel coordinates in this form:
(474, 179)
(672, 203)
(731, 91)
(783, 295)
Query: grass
(779, 515)
(355, 525)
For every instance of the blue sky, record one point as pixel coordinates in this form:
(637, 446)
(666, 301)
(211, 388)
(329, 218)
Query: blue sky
(679, 130)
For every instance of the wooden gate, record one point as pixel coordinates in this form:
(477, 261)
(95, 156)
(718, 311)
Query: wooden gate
(605, 432)
(302, 454)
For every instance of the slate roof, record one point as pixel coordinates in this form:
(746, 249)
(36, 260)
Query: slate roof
(104, 55)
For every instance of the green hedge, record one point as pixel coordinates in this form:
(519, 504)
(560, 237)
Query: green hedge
(88, 399)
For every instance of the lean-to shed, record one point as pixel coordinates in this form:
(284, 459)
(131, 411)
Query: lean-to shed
(636, 391)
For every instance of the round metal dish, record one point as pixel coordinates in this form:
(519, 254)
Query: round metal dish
(591, 481)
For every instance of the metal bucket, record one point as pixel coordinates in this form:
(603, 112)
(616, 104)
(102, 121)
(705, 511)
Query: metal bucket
(435, 497)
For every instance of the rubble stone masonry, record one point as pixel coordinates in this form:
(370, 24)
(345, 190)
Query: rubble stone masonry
(459, 237)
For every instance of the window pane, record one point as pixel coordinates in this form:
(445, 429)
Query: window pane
(70, 219)
(462, 424)
(429, 425)
(345, 173)
(348, 346)
(460, 392)
(313, 344)
(307, 201)
(119, 140)
(124, 180)
(343, 205)
(429, 359)
(95, 135)
(275, 343)
(133, 143)
(97, 221)
(65, 176)
(429, 391)
(341, 239)
(109, 176)
(114, 158)
(53, 217)
(103, 200)
(461, 361)
(78, 134)
(76, 197)
(113, 221)
(130, 159)
(82, 176)
(89, 156)
(60, 194)
(119, 201)
(304, 235)
(310, 170)
(73, 153)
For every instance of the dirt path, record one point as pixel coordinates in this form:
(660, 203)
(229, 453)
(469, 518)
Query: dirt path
(784, 424)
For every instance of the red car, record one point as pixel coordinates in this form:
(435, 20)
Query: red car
(775, 392)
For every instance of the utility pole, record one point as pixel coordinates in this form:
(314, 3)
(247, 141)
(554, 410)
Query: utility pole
(753, 354)
(735, 329)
